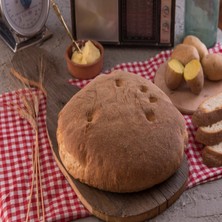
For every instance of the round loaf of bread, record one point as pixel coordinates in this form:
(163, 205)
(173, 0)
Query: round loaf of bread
(121, 133)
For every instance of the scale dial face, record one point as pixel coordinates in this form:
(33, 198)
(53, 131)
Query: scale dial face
(25, 19)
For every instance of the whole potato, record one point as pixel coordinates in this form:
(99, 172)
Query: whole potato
(185, 53)
(197, 43)
(212, 66)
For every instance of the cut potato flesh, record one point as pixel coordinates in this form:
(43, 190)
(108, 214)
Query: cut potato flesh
(193, 74)
(174, 74)
(192, 69)
(176, 66)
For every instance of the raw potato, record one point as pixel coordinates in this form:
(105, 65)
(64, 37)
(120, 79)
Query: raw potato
(193, 74)
(196, 42)
(185, 53)
(174, 74)
(212, 66)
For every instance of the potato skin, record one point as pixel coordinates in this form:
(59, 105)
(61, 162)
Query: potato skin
(173, 79)
(185, 53)
(196, 42)
(195, 84)
(212, 66)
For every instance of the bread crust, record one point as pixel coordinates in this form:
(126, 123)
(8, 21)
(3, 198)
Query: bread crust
(204, 117)
(119, 134)
(208, 138)
(208, 119)
(211, 158)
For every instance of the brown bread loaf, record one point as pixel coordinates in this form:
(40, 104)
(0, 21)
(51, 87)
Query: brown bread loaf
(121, 133)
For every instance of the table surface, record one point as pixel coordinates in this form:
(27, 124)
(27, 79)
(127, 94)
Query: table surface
(199, 204)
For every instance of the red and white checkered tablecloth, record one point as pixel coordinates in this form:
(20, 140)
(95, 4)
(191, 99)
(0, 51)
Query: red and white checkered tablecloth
(60, 201)
(16, 143)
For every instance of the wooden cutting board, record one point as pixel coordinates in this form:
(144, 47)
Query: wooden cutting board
(183, 98)
(105, 205)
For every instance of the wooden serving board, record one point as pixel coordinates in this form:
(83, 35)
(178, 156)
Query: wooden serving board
(183, 98)
(107, 206)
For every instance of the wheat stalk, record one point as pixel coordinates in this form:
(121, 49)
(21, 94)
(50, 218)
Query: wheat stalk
(30, 112)
(28, 82)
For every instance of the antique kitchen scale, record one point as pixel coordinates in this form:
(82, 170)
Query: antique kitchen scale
(22, 22)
